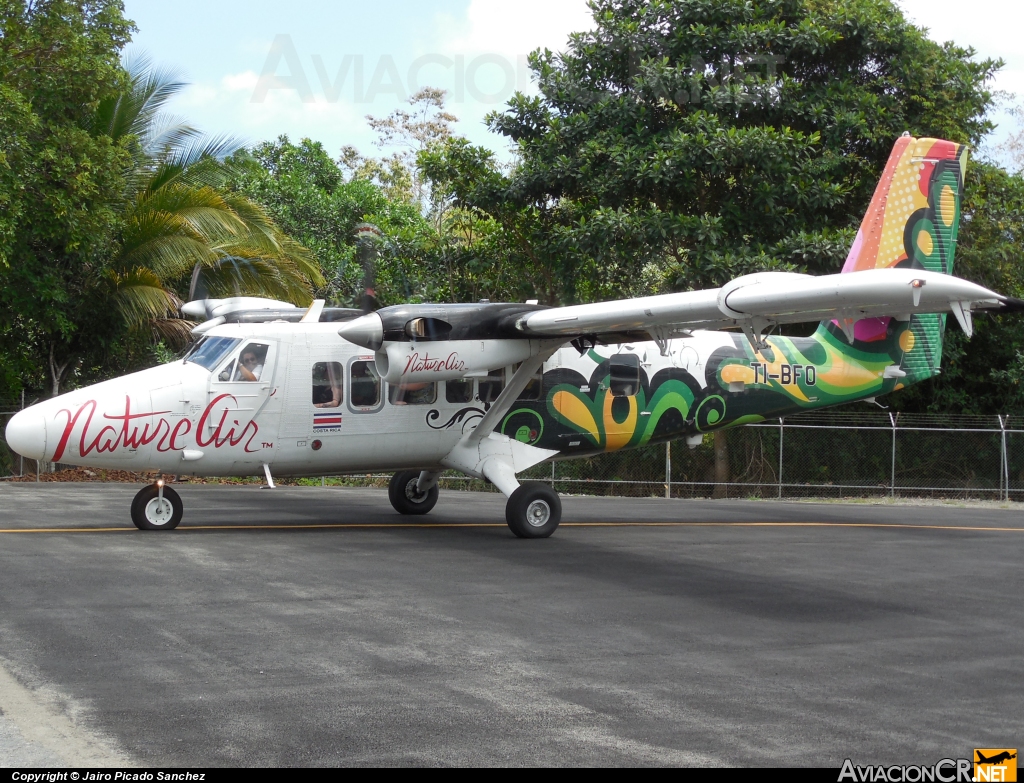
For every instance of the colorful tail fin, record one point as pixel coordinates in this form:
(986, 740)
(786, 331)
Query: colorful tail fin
(912, 221)
(914, 216)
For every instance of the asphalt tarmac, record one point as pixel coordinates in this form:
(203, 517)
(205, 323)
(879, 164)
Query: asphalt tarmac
(309, 626)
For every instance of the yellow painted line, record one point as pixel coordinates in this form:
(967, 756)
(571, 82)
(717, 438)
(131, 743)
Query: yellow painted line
(423, 525)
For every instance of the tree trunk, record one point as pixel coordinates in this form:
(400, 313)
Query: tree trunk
(721, 465)
(57, 372)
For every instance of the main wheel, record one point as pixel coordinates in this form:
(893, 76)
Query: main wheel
(533, 510)
(149, 512)
(406, 497)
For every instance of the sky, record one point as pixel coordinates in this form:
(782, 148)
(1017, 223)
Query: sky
(258, 69)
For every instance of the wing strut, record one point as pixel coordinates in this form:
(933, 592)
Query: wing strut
(484, 453)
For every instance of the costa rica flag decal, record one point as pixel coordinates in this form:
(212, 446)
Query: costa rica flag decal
(326, 422)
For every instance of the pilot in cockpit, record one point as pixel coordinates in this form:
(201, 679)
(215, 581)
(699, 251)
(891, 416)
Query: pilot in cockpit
(250, 365)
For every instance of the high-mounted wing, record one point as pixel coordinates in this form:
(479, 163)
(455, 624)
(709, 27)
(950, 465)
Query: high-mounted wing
(756, 302)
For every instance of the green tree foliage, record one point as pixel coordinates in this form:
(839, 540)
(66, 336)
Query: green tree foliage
(703, 140)
(431, 249)
(106, 204)
(178, 211)
(59, 181)
(308, 196)
(406, 133)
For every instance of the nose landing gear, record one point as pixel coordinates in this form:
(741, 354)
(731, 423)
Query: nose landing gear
(157, 507)
(411, 492)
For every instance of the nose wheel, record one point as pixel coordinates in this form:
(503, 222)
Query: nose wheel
(533, 510)
(156, 510)
(405, 495)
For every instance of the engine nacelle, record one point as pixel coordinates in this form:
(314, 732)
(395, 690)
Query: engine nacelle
(446, 360)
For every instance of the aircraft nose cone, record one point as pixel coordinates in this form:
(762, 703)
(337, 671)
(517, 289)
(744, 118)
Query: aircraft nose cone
(366, 331)
(26, 434)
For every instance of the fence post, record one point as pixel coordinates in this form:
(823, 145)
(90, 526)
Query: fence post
(1004, 479)
(668, 469)
(782, 428)
(552, 474)
(892, 473)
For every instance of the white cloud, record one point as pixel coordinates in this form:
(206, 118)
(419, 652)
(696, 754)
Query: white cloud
(207, 106)
(513, 29)
(990, 26)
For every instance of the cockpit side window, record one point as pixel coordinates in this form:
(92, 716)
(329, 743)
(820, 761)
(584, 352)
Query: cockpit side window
(251, 362)
(328, 383)
(209, 351)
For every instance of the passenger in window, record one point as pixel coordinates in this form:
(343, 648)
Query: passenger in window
(488, 389)
(413, 394)
(250, 367)
(533, 388)
(459, 391)
(327, 385)
(365, 385)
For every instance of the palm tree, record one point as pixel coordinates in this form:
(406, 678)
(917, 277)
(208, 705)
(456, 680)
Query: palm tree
(178, 211)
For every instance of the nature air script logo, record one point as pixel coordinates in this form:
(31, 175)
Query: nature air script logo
(995, 764)
(426, 363)
(216, 427)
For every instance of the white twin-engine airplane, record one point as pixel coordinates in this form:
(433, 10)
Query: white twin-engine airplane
(493, 389)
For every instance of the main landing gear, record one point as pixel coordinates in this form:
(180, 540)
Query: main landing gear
(157, 507)
(533, 510)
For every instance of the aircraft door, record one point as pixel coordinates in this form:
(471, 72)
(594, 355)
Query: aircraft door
(240, 389)
(296, 418)
(620, 403)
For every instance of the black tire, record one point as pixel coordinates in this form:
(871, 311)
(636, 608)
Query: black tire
(533, 511)
(146, 512)
(406, 498)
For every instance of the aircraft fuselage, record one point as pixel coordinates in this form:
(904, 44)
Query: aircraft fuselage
(318, 407)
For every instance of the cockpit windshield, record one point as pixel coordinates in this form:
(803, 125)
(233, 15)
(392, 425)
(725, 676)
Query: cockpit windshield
(209, 351)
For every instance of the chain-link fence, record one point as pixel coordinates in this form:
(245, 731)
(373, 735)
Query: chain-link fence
(10, 463)
(818, 454)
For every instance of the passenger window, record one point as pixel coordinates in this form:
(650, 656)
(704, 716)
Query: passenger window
(532, 390)
(625, 375)
(458, 391)
(365, 388)
(412, 394)
(327, 384)
(490, 387)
